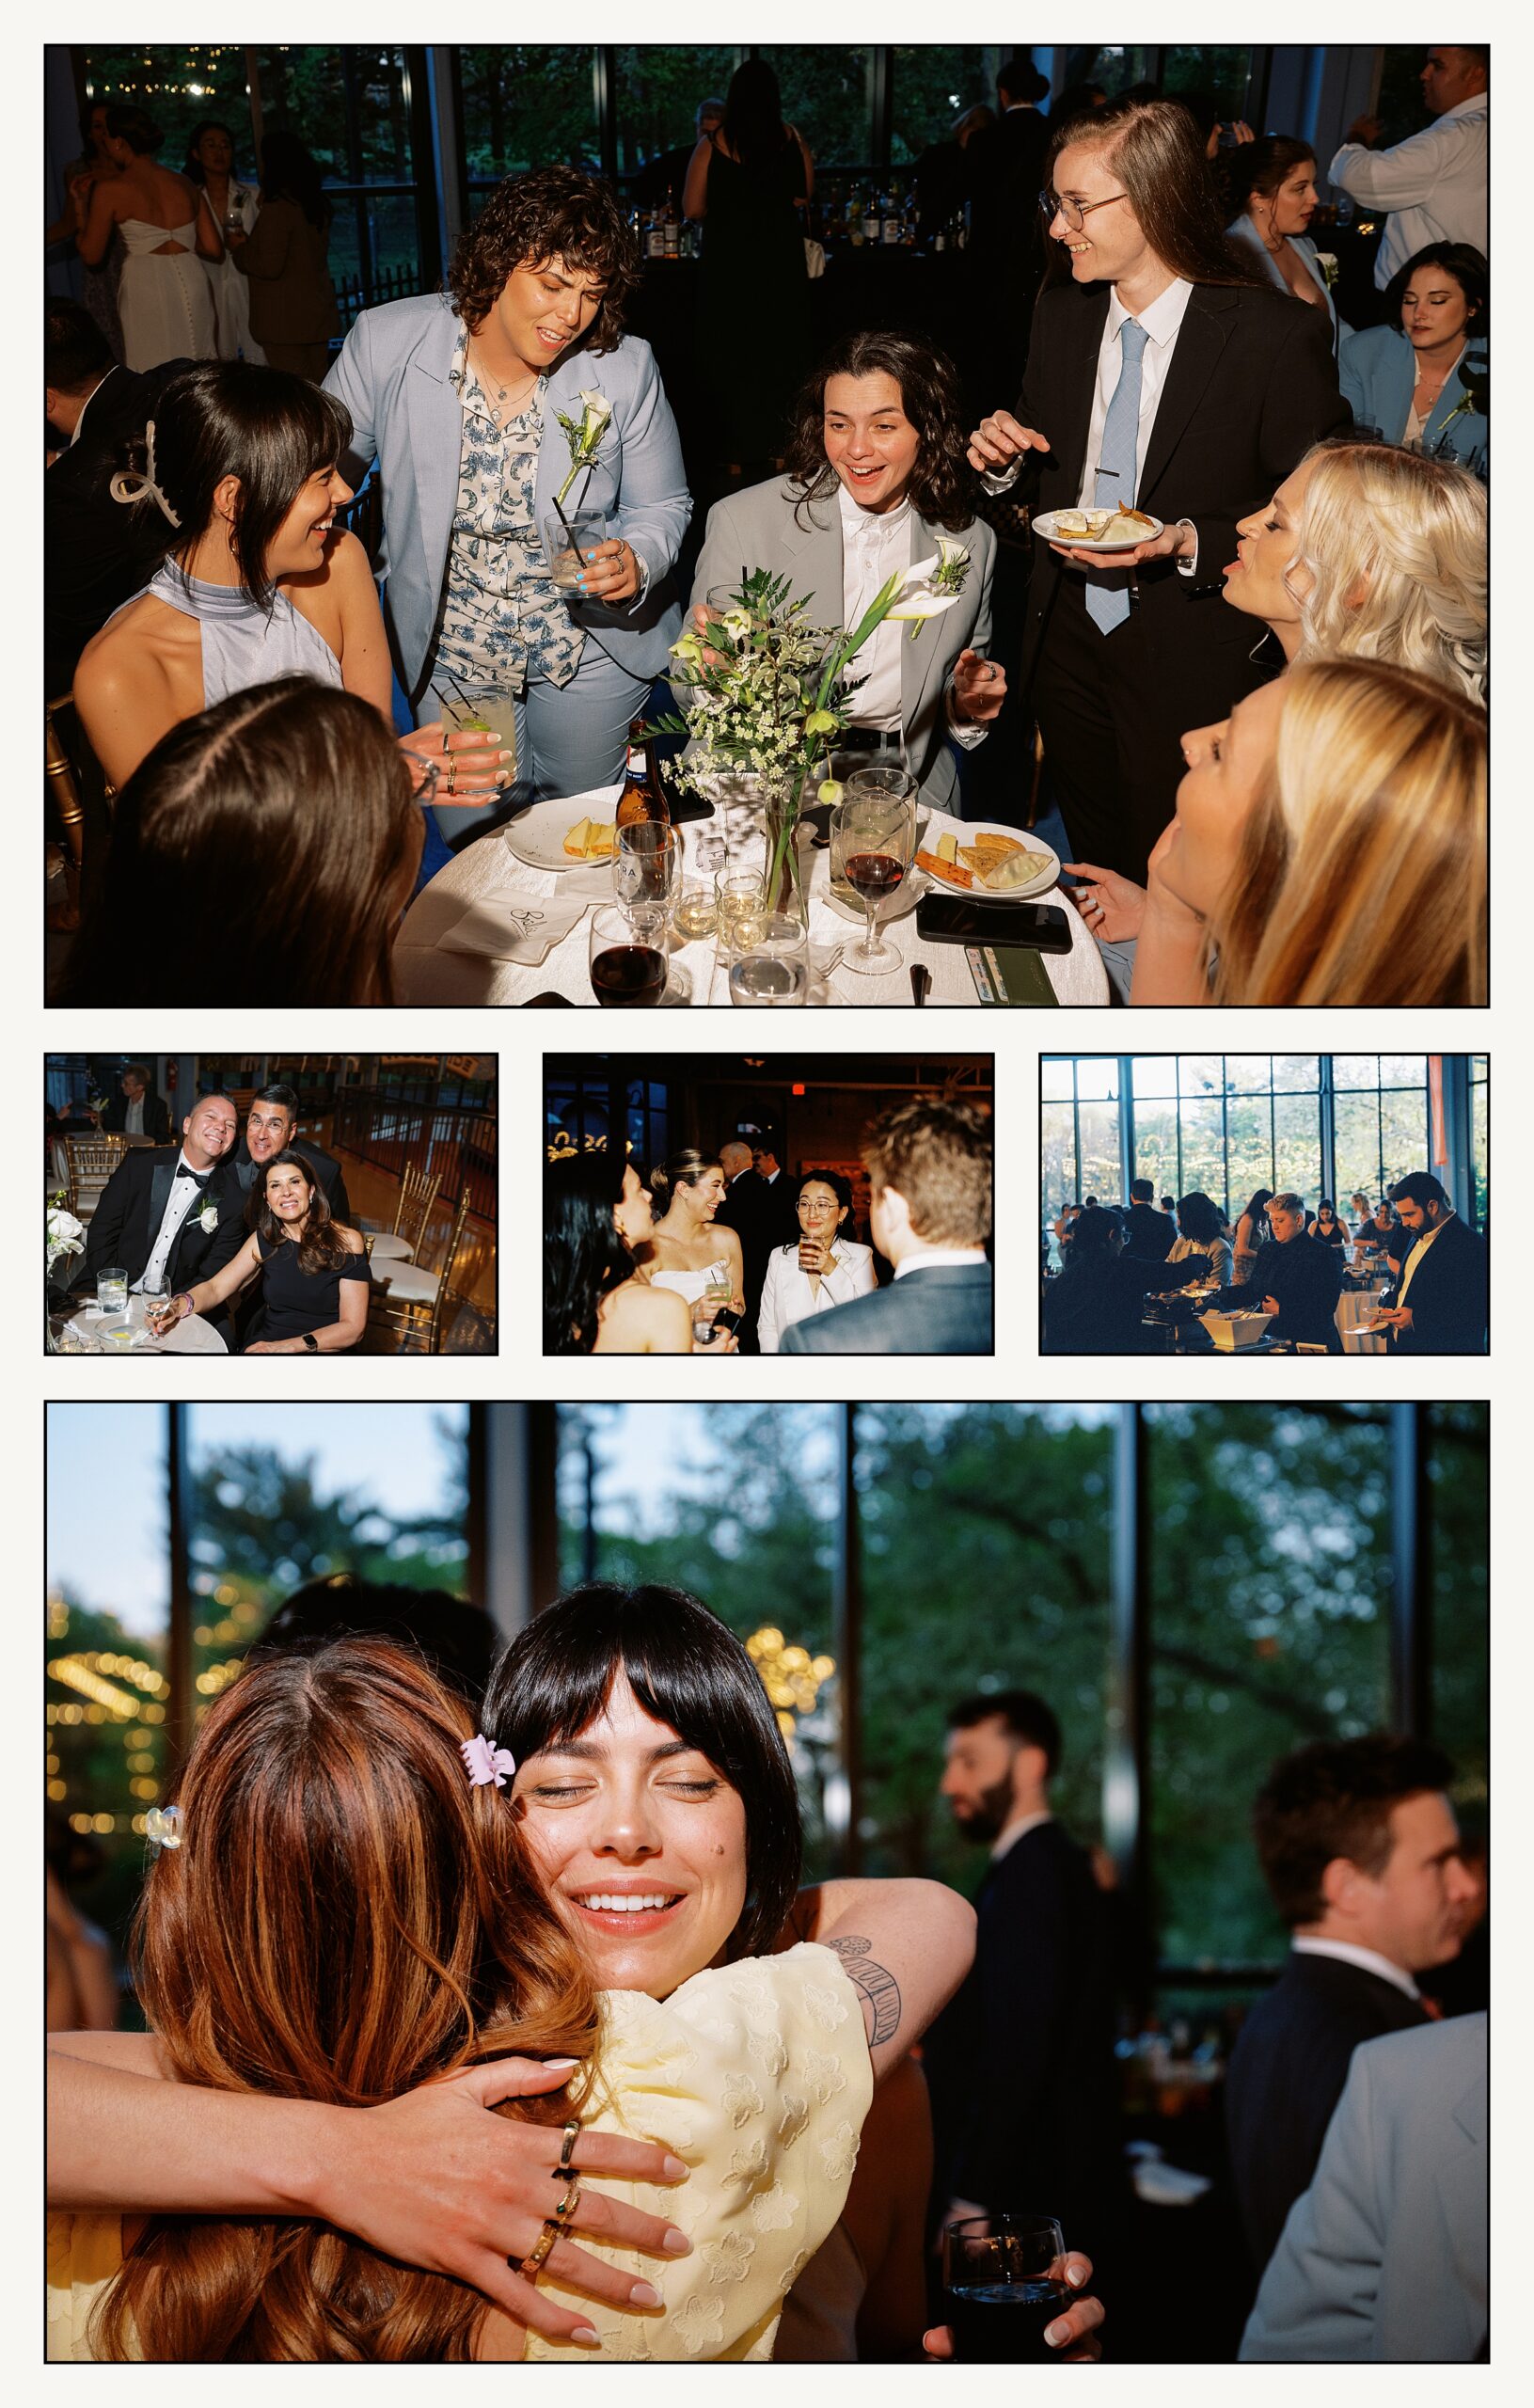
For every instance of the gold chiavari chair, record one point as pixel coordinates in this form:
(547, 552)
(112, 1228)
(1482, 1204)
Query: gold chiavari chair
(91, 1161)
(401, 1244)
(410, 1299)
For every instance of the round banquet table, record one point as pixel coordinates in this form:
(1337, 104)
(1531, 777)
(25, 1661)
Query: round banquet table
(193, 1336)
(1353, 1306)
(428, 973)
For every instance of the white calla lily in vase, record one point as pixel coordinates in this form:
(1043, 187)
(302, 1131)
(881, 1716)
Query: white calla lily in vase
(583, 435)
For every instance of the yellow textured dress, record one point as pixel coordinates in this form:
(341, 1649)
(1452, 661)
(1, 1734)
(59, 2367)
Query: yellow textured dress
(756, 2074)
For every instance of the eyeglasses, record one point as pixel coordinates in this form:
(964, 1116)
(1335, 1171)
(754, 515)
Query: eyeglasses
(1073, 212)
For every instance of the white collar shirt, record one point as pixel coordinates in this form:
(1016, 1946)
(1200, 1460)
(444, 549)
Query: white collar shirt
(1419, 1251)
(1014, 1832)
(184, 1193)
(1368, 1960)
(84, 406)
(1163, 321)
(874, 544)
(1433, 185)
(133, 1120)
(939, 1258)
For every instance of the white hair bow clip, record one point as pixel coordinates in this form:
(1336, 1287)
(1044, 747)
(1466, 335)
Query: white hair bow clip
(128, 486)
(485, 1763)
(163, 1827)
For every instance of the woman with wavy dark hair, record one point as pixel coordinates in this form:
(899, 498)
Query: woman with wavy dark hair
(876, 480)
(597, 1298)
(1272, 183)
(313, 1270)
(489, 411)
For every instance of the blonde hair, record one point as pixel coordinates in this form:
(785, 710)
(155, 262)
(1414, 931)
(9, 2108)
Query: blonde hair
(1414, 531)
(1361, 876)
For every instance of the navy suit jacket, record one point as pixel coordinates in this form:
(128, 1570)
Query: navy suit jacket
(1449, 1299)
(932, 1311)
(1304, 1280)
(1287, 2073)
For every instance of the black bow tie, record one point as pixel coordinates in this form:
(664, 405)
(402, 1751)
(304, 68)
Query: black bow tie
(198, 1178)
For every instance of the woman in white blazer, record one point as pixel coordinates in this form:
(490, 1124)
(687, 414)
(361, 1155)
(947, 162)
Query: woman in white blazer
(1277, 178)
(875, 480)
(823, 1270)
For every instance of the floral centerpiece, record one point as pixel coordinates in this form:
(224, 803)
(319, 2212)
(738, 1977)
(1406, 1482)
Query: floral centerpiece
(768, 692)
(65, 1234)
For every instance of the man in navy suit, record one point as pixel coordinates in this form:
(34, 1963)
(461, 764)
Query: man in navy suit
(1441, 1304)
(1360, 1849)
(1021, 2062)
(930, 1172)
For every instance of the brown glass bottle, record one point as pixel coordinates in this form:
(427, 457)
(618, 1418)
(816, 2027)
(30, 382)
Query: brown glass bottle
(643, 796)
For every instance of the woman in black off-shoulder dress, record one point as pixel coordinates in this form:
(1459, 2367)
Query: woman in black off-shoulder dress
(313, 1270)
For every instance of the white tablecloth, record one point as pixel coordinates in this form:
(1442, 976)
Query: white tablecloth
(193, 1336)
(427, 973)
(1356, 1305)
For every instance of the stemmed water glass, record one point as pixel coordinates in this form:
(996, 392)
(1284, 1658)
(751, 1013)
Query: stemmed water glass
(872, 838)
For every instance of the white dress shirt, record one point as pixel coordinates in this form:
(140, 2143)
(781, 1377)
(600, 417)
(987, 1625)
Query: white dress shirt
(133, 1120)
(1416, 1253)
(84, 406)
(184, 1193)
(874, 544)
(1368, 1960)
(943, 1258)
(1433, 185)
(787, 1295)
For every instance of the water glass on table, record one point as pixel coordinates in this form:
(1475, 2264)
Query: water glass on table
(626, 953)
(646, 863)
(873, 839)
(1004, 2281)
(568, 543)
(112, 1292)
(768, 956)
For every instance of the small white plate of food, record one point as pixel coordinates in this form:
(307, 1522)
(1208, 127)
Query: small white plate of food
(990, 863)
(570, 833)
(1098, 531)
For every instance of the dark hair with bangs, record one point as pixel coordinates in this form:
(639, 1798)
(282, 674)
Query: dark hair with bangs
(942, 485)
(585, 1254)
(687, 1670)
(268, 429)
(550, 213)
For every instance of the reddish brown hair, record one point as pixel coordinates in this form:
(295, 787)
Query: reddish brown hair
(344, 1918)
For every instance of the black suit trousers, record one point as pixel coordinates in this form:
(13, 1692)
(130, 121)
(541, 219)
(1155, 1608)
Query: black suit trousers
(1111, 751)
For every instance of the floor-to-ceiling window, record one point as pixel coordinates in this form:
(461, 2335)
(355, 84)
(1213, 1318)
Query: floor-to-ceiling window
(1381, 1116)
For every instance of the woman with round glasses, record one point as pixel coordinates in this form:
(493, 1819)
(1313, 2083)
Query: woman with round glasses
(823, 1270)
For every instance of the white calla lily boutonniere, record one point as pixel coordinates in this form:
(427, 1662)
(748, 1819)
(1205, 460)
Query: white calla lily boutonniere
(931, 586)
(1326, 261)
(583, 435)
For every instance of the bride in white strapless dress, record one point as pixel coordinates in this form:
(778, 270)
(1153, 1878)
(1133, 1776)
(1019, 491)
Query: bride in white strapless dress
(164, 300)
(688, 1252)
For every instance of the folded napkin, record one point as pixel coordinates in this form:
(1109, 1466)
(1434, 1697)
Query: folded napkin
(512, 927)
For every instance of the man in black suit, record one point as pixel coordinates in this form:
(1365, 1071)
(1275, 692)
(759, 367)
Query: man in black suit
(1295, 1277)
(1360, 1849)
(96, 552)
(781, 1199)
(1020, 2063)
(137, 1111)
(1005, 167)
(929, 1173)
(1151, 1234)
(170, 1212)
(1441, 1304)
(1171, 376)
(268, 1132)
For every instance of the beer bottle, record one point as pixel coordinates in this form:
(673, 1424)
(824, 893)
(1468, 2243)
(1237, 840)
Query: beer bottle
(643, 796)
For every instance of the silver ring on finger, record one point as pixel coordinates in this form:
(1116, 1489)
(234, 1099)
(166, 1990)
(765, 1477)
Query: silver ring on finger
(562, 2172)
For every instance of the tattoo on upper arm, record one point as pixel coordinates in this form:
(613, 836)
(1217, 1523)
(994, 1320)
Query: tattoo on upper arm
(881, 1989)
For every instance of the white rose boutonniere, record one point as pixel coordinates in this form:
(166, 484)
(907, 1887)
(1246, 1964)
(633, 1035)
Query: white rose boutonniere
(583, 435)
(208, 1217)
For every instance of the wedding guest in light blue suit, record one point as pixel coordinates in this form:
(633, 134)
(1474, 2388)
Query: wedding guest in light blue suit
(1277, 176)
(458, 396)
(1401, 376)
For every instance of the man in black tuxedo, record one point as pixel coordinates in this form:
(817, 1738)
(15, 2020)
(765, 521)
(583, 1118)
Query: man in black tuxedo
(744, 1209)
(1360, 1849)
(1295, 1277)
(137, 1111)
(781, 1199)
(929, 1168)
(1441, 1304)
(1151, 1234)
(170, 1212)
(1020, 2063)
(268, 1132)
(1005, 169)
(1171, 376)
(96, 552)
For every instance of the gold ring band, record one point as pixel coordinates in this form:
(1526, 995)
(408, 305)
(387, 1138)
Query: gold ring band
(540, 2249)
(572, 2134)
(570, 2202)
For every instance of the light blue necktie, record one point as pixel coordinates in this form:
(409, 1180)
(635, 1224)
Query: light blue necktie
(1108, 605)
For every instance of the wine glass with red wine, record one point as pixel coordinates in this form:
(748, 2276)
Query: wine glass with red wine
(1004, 2281)
(628, 954)
(872, 838)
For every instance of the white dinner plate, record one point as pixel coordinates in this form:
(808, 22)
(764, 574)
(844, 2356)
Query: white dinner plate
(1045, 525)
(1038, 884)
(537, 834)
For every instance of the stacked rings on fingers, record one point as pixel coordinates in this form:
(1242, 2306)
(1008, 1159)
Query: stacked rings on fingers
(541, 2247)
(572, 2133)
(570, 2201)
(453, 774)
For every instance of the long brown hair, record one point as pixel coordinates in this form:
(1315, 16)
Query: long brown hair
(1158, 157)
(345, 1918)
(321, 1247)
(942, 485)
(1361, 875)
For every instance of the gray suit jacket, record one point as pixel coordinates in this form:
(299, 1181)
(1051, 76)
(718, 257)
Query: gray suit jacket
(1384, 2258)
(758, 529)
(931, 1312)
(393, 375)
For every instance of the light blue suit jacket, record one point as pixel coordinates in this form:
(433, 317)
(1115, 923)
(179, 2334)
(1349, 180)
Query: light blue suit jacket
(1242, 231)
(1384, 2260)
(393, 375)
(1377, 371)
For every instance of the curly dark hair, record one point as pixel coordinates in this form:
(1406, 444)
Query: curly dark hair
(942, 483)
(321, 1247)
(550, 213)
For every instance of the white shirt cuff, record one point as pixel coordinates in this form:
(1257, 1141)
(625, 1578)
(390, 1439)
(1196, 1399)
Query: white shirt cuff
(1186, 567)
(968, 732)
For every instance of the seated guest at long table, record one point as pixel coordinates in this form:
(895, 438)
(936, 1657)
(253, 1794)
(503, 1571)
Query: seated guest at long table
(229, 880)
(822, 1269)
(1295, 1278)
(597, 1298)
(929, 1168)
(1441, 1304)
(877, 482)
(137, 1111)
(313, 1270)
